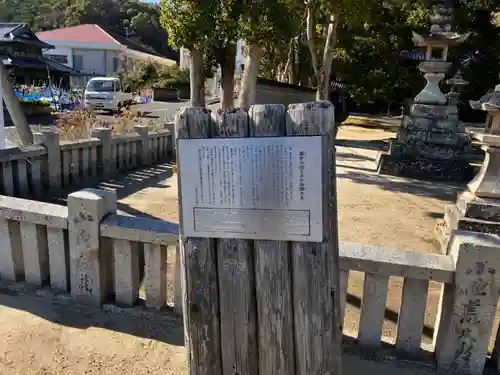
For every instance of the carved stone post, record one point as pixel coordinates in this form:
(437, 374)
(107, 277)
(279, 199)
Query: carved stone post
(467, 307)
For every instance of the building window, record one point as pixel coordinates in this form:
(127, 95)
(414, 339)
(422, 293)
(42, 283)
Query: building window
(61, 59)
(77, 61)
(26, 51)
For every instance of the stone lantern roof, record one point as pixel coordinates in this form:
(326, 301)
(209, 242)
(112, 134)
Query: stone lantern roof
(440, 32)
(489, 102)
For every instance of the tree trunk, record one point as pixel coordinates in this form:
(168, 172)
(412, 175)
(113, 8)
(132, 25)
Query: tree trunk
(322, 67)
(228, 67)
(249, 81)
(289, 61)
(196, 76)
(323, 90)
(14, 107)
(294, 71)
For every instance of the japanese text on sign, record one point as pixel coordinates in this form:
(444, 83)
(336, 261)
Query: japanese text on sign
(254, 188)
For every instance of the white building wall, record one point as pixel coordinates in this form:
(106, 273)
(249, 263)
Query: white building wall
(63, 51)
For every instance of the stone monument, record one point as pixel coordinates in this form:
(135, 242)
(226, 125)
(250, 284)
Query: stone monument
(478, 207)
(456, 82)
(431, 143)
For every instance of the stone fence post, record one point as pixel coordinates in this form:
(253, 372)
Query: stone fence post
(104, 158)
(50, 140)
(145, 152)
(91, 257)
(467, 307)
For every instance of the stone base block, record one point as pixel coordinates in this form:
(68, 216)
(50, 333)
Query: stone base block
(473, 207)
(424, 168)
(430, 150)
(453, 139)
(469, 214)
(455, 220)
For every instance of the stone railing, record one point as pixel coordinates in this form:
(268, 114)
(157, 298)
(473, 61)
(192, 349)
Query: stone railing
(378, 265)
(97, 256)
(469, 294)
(54, 166)
(86, 249)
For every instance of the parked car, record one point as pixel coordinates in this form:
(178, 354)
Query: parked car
(107, 94)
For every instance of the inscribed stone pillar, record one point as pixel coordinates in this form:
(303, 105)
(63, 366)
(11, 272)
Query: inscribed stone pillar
(90, 257)
(467, 307)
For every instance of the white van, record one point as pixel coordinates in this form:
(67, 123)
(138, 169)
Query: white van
(106, 93)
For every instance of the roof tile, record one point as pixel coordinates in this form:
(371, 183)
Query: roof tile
(78, 34)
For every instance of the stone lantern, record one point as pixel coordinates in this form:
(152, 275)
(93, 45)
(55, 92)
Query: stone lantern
(456, 82)
(431, 143)
(478, 207)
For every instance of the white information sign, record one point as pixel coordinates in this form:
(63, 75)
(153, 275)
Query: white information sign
(268, 188)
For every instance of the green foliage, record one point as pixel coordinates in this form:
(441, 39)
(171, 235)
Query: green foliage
(271, 23)
(188, 23)
(367, 55)
(370, 60)
(172, 77)
(149, 75)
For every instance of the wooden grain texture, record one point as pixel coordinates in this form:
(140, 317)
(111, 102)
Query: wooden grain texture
(238, 315)
(343, 284)
(315, 266)
(373, 309)
(273, 272)
(412, 315)
(199, 270)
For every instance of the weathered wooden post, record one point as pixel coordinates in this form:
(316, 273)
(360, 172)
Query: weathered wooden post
(259, 247)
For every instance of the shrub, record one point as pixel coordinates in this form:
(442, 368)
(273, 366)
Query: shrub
(79, 124)
(149, 75)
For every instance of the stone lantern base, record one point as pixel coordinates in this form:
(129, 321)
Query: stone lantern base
(424, 168)
(430, 145)
(477, 208)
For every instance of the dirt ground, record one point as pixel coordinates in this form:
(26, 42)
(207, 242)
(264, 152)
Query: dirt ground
(40, 337)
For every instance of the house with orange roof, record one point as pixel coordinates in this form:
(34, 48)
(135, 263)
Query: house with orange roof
(98, 51)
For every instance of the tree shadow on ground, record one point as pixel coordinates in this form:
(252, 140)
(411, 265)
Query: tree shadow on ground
(162, 325)
(436, 215)
(125, 184)
(354, 167)
(352, 155)
(131, 183)
(373, 144)
(442, 191)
